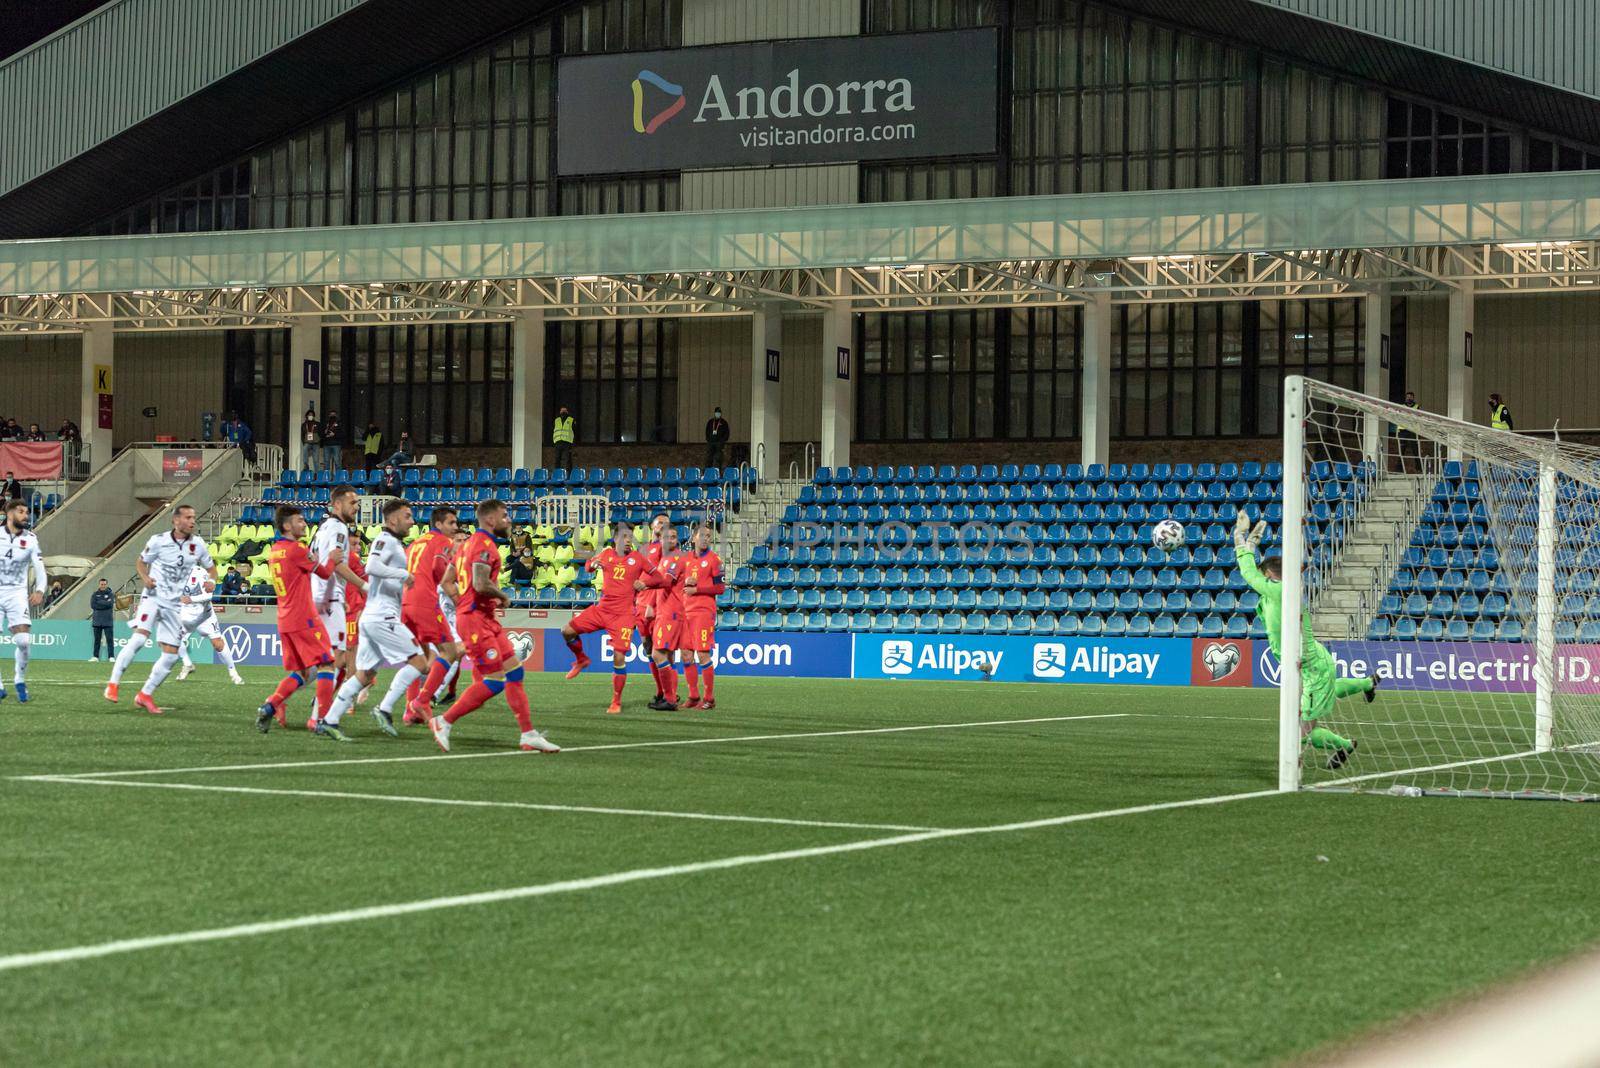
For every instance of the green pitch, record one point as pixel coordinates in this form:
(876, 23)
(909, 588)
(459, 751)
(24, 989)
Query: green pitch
(1241, 932)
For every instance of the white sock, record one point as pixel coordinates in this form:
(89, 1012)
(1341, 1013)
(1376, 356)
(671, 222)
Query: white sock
(135, 643)
(159, 673)
(21, 643)
(402, 679)
(450, 676)
(342, 700)
(225, 654)
(183, 651)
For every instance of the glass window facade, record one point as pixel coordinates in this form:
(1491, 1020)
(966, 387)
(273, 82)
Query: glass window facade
(617, 377)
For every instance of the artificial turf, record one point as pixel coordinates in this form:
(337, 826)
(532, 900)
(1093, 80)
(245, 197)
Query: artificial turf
(1247, 932)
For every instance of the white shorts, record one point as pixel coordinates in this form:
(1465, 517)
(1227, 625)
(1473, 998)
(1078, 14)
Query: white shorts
(144, 612)
(334, 619)
(14, 608)
(384, 642)
(163, 621)
(450, 621)
(202, 623)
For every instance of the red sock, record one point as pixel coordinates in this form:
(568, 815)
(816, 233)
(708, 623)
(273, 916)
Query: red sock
(655, 676)
(517, 698)
(710, 677)
(414, 689)
(691, 672)
(287, 687)
(576, 645)
(475, 696)
(324, 693)
(671, 674)
(435, 679)
(619, 679)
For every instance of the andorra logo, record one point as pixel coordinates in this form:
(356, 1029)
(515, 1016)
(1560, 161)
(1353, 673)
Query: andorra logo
(675, 91)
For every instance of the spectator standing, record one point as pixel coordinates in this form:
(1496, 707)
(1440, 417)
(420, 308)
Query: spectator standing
(561, 436)
(310, 441)
(717, 431)
(372, 446)
(71, 443)
(12, 490)
(102, 603)
(237, 431)
(1407, 440)
(332, 433)
(1499, 414)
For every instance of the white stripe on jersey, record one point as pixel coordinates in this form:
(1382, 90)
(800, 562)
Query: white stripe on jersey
(386, 571)
(170, 562)
(331, 535)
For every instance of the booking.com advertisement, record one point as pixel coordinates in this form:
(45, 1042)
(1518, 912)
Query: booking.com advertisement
(737, 652)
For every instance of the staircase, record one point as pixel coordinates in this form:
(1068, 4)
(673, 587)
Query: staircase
(1371, 552)
(759, 512)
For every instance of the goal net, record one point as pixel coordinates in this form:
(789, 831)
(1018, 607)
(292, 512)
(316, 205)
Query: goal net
(1462, 566)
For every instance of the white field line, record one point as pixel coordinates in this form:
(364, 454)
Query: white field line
(404, 799)
(573, 749)
(1419, 771)
(566, 886)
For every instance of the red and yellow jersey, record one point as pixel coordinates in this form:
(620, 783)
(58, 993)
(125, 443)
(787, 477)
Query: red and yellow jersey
(701, 598)
(291, 566)
(355, 600)
(672, 570)
(651, 551)
(618, 572)
(479, 549)
(427, 558)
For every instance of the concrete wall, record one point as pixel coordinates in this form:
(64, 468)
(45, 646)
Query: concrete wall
(1542, 354)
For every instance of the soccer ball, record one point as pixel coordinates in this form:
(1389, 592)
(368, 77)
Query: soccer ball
(1167, 535)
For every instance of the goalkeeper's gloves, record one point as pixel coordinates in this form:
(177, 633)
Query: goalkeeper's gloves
(1244, 537)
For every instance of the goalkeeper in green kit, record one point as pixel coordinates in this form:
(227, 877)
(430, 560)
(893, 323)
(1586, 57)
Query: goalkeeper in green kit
(1320, 685)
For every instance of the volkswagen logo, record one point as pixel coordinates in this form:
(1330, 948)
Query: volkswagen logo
(238, 642)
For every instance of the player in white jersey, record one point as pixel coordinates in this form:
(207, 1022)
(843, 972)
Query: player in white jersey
(327, 594)
(164, 568)
(200, 618)
(384, 638)
(21, 560)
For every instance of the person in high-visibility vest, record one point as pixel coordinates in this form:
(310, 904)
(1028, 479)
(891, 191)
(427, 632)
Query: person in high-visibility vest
(561, 437)
(1499, 414)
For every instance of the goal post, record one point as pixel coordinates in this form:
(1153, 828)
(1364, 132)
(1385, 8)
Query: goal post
(1459, 563)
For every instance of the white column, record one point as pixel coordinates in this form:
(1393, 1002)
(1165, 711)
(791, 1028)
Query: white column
(1458, 354)
(1095, 402)
(96, 386)
(1544, 668)
(838, 367)
(527, 389)
(766, 390)
(305, 368)
(1375, 377)
(1294, 544)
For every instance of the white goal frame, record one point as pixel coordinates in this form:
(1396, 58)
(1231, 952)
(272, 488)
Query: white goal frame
(1455, 436)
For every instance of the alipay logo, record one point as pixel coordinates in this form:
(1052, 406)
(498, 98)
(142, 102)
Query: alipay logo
(1049, 660)
(897, 658)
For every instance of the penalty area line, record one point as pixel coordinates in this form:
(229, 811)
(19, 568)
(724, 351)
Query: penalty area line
(71, 954)
(468, 803)
(660, 743)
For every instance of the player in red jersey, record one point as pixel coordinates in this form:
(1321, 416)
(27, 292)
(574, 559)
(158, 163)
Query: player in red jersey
(300, 629)
(702, 582)
(428, 559)
(666, 630)
(644, 604)
(355, 599)
(622, 572)
(478, 575)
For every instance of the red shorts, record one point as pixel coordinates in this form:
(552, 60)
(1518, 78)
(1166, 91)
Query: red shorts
(305, 649)
(485, 641)
(617, 622)
(699, 633)
(667, 632)
(429, 628)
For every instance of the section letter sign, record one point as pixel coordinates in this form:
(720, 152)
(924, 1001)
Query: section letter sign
(821, 100)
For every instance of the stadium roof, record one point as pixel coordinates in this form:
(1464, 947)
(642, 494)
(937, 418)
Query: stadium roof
(1506, 233)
